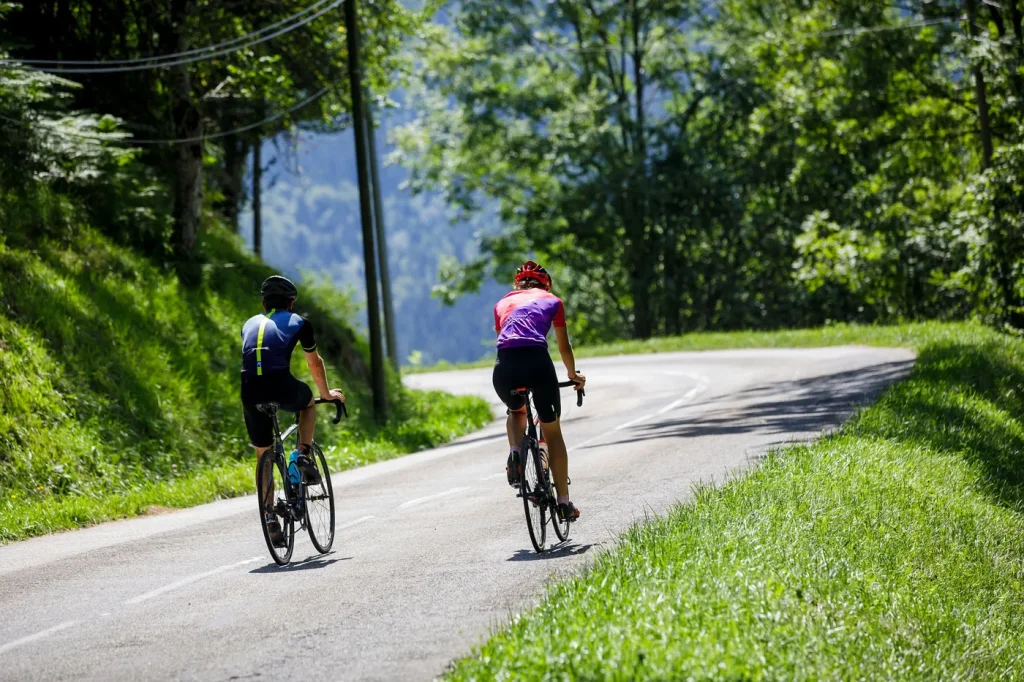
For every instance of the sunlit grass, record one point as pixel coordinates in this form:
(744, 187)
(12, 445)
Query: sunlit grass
(891, 550)
(119, 385)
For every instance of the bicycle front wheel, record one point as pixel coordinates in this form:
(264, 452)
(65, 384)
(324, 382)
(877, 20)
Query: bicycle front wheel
(532, 484)
(320, 504)
(272, 497)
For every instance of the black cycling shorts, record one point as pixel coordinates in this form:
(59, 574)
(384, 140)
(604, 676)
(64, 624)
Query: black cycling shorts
(528, 367)
(274, 387)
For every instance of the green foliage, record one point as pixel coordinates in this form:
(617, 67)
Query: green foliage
(888, 551)
(751, 167)
(119, 383)
(119, 386)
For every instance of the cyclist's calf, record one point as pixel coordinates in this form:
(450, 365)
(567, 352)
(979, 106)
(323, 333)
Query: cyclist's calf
(558, 457)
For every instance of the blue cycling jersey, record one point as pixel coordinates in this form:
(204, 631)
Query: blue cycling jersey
(269, 339)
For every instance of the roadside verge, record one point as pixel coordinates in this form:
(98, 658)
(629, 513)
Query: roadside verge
(890, 549)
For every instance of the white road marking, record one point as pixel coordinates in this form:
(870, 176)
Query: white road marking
(421, 500)
(492, 477)
(186, 581)
(357, 521)
(37, 636)
(688, 396)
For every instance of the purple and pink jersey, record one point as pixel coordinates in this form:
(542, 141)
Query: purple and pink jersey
(524, 318)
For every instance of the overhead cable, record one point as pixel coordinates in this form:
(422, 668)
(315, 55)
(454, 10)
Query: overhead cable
(165, 57)
(14, 64)
(49, 128)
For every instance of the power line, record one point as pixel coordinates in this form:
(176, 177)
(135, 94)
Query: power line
(890, 27)
(164, 57)
(49, 129)
(186, 60)
(821, 34)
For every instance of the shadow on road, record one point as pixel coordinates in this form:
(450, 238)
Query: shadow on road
(807, 405)
(304, 565)
(556, 552)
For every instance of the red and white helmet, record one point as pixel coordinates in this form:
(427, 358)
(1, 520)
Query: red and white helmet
(530, 270)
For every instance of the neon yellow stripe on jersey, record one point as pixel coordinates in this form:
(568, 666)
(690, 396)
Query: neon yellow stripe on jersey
(259, 344)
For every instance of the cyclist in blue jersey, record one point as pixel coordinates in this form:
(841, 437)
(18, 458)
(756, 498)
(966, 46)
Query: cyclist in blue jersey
(268, 340)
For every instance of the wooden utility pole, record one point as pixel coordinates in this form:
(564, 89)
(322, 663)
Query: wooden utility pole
(380, 400)
(257, 197)
(382, 242)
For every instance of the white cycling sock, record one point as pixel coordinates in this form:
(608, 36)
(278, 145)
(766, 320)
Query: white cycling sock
(563, 499)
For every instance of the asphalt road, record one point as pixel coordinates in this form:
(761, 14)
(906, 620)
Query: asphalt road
(432, 549)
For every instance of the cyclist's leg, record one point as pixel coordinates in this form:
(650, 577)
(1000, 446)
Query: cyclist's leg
(261, 436)
(296, 396)
(558, 458)
(506, 379)
(548, 400)
(515, 426)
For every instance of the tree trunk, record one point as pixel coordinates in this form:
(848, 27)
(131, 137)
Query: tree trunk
(188, 157)
(980, 92)
(257, 197)
(235, 153)
(642, 268)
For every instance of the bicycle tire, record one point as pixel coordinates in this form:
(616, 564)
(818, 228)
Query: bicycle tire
(561, 525)
(535, 502)
(320, 505)
(280, 503)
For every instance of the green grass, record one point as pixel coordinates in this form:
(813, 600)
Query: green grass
(119, 385)
(891, 550)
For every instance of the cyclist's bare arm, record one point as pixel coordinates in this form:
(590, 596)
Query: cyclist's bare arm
(568, 359)
(319, 372)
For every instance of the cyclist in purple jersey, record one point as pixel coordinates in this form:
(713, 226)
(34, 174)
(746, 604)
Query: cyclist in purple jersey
(522, 320)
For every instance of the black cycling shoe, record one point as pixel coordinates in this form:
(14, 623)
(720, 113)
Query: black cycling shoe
(567, 510)
(512, 469)
(274, 531)
(310, 475)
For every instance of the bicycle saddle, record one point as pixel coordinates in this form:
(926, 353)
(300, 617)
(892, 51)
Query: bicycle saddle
(268, 408)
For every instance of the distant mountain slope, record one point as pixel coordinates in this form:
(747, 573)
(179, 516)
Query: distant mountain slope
(311, 224)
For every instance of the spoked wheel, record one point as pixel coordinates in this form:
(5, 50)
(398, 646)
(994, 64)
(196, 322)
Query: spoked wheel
(561, 525)
(320, 505)
(535, 497)
(274, 497)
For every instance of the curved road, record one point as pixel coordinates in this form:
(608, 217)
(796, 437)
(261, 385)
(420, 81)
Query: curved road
(432, 550)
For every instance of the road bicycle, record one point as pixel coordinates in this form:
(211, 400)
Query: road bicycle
(310, 503)
(535, 484)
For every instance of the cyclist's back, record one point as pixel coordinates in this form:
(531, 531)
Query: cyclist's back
(268, 340)
(522, 320)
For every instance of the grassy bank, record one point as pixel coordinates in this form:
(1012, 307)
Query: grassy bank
(119, 385)
(891, 550)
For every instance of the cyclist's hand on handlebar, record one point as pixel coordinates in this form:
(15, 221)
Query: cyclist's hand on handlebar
(577, 379)
(334, 394)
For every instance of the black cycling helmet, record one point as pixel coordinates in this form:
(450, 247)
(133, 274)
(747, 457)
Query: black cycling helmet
(278, 286)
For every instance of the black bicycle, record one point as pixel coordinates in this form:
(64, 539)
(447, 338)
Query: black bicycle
(535, 486)
(310, 503)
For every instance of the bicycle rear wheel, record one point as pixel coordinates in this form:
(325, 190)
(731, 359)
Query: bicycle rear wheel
(274, 498)
(535, 496)
(561, 525)
(320, 505)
